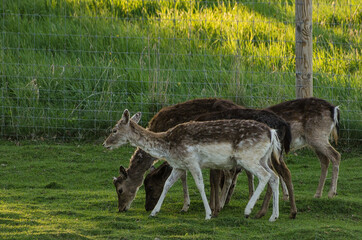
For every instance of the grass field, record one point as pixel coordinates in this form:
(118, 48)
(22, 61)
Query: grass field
(65, 191)
(69, 68)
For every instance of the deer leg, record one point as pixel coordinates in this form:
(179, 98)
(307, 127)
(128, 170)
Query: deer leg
(286, 177)
(335, 159)
(228, 179)
(250, 183)
(197, 175)
(324, 169)
(174, 176)
(214, 191)
(233, 184)
(285, 190)
(326, 153)
(265, 204)
(274, 183)
(263, 177)
(186, 193)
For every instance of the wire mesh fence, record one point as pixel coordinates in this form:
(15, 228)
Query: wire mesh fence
(70, 68)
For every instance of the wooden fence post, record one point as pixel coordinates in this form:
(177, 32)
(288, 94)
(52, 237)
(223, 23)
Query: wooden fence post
(303, 48)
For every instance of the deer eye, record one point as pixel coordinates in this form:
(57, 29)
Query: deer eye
(114, 130)
(120, 191)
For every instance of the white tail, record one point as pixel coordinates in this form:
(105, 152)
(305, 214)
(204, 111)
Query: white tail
(335, 125)
(276, 148)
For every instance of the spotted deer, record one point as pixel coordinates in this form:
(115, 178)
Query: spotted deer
(223, 182)
(312, 121)
(221, 144)
(131, 178)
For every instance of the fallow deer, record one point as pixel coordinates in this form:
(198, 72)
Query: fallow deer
(296, 113)
(313, 121)
(221, 144)
(130, 179)
(154, 181)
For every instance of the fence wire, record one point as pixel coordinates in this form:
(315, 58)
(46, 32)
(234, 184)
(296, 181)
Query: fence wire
(70, 68)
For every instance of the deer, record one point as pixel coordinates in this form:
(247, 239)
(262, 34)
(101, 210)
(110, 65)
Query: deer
(192, 146)
(301, 114)
(312, 121)
(226, 180)
(131, 178)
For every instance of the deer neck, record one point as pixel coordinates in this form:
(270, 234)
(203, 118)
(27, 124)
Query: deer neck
(150, 142)
(140, 162)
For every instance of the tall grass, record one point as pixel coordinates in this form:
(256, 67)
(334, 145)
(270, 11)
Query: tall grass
(69, 68)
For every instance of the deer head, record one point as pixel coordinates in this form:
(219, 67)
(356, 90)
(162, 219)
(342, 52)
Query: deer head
(124, 189)
(119, 134)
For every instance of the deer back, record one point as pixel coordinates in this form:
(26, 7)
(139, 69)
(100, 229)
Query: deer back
(263, 116)
(226, 130)
(309, 116)
(169, 117)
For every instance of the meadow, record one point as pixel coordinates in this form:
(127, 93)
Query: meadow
(69, 68)
(65, 191)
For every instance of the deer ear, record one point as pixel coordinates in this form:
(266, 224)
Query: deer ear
(137, 117)
(122, 171)
(125, 117)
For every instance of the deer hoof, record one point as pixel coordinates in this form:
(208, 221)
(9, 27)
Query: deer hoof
(273, 219)
(293, 215)
(317, 195)
(260, 214)
(331, 194)
(153, 214)
(185, 208)
(285, 198)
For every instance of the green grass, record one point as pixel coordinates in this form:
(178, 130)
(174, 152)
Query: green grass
(69, 68)
(65, 191)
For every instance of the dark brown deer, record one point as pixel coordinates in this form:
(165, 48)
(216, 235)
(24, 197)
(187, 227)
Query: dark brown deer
(154, 181)
(221, 144)
(130, 179)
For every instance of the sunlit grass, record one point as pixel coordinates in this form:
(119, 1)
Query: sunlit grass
(70, 67)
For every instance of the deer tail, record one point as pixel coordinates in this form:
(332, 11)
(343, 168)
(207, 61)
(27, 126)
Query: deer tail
(276, 148)
(335, 125)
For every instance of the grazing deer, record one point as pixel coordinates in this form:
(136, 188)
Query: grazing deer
(154, 181)
(154, 186)
(130, 179)
(313, 121)
(191, 146)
